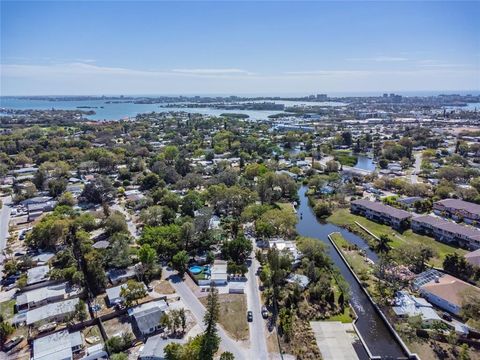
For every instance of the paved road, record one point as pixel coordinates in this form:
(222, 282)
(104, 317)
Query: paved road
(257, 326)
(132, 228)
(417, 168)
(198, 310)
(4, 220)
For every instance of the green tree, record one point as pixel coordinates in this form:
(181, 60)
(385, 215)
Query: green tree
(211, 340)
(180, 262)
(133, 292)
(6, 329)
(118, 255)
(237, 249)
(115, 223)
(80, 311)
(94, 272)
(383, 243)
(227, 355)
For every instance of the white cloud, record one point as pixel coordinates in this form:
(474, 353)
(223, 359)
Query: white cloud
(89, 78)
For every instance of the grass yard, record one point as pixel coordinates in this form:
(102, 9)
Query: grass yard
(354, 258)
(233, 314)
(343, 217)
(345, 317)
(7, 309)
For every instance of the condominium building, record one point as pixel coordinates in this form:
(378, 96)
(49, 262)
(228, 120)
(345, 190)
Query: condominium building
(458, 210)
(381, 213)
(447, 231)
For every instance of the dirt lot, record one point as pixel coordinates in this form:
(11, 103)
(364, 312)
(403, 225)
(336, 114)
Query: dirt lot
(233, 309)
(118, 325)
(162, 287)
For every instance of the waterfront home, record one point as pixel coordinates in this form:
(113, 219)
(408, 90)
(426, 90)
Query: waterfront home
(381, 213)
(447, 231)
(54, 312)
(406, 305)
(41, 296)
(458, 210)
(300, 280)
(473, 258)
(58, 346)
(443, 290)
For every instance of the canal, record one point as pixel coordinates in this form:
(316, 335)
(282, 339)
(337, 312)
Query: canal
(373, 330)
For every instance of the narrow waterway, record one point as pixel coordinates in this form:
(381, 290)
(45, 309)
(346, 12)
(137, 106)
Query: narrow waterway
(371, 327)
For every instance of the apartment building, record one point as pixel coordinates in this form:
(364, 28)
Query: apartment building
(458, 210)
(381, 213)
(447, 231)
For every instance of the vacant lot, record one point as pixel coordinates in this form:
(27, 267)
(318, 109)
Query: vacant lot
(7, 309)
(233, 314)
(118, 325)
(344, 217)
(162, 287)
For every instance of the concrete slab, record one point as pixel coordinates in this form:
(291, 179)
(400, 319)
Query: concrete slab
(334, 340)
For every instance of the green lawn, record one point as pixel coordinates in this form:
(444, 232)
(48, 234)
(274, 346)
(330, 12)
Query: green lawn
(344, 217)
(345, 317)
(7, 309)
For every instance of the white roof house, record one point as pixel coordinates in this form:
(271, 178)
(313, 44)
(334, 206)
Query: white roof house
(409, 305)
(58, 346)
(41, 296)
(52, 312)
(37, 274)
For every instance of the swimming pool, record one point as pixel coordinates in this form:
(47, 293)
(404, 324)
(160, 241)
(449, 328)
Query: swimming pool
(195, 270)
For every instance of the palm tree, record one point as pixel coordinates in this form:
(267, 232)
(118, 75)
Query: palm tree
(383, 244)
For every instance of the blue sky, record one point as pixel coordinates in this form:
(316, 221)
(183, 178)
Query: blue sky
(230, 47)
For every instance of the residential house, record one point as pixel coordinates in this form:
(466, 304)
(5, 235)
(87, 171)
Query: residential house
(54, 312)
(458, 210)
(41, 296)
(447, 231)
(384, 214)
(154, 348)
(117, 276)
(146, 317)
(407, 305)
(58, 346)
(218, 274)
(113, 294)
(37, 274)
(443, 290)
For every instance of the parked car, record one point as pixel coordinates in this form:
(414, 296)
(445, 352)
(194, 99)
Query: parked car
(264, 312)
(249, 316)
(13, 342)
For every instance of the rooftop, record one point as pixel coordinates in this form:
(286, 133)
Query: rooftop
(57, 346)
(449, 226)
(461, 205)
(382, 208)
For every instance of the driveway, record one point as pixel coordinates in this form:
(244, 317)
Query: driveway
(257, 326)
(198, 310)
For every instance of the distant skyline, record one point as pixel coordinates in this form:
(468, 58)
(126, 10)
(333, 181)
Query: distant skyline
(153, 47)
